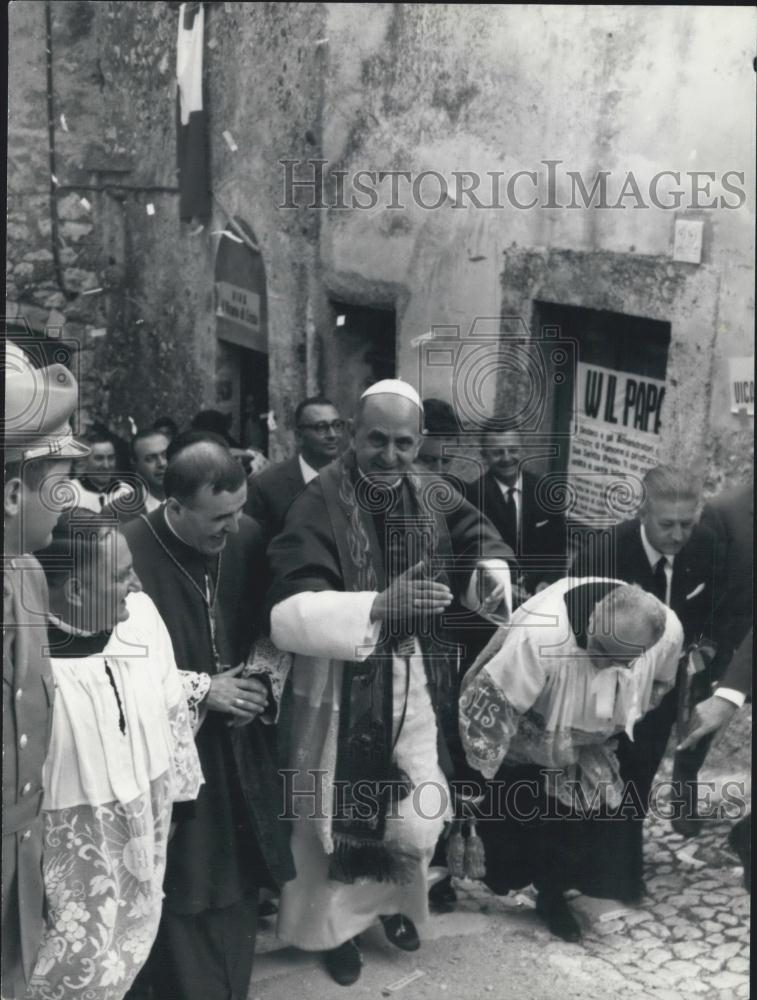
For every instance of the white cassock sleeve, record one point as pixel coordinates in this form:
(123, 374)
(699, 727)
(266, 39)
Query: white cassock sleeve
(500, 570)
(327, 624)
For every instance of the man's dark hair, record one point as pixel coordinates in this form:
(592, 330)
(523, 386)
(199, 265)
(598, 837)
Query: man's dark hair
(202, 463)
(310, 401)
(213, 420)
(192, 437)
(141, 435)
(439, 417)
(73, 550)
(168, 422)
(99, 434)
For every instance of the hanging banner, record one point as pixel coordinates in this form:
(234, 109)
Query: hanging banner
(618, 422)
(741, 381)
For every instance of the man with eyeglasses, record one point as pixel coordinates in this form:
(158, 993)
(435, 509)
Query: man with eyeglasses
(318, 437)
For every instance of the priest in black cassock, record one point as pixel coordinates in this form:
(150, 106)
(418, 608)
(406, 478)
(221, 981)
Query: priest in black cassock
(201, 561)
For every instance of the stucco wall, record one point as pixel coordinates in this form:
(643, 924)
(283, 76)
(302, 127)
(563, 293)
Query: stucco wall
(489, 88)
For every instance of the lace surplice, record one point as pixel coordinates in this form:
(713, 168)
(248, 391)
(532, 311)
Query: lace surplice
(108, 799)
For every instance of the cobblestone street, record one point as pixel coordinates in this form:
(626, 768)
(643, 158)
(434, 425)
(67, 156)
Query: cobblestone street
(689, 939)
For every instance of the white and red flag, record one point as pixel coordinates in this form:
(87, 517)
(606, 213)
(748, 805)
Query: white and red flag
(191, 131)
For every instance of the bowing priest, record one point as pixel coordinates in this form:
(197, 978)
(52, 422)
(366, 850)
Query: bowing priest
(200, 560)
(371, 554)
(540, 711)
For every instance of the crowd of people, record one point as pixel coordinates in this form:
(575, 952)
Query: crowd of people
(225, 677)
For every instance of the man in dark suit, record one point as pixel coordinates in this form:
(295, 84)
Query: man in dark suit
(731, 516)
(667, 552)
(714, 714)
(318, 435)
(507, 495)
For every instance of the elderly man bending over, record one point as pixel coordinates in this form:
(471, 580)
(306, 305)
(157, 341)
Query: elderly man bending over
(580, 663)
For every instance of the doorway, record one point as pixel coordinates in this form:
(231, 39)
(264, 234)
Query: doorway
(242, 393)
(362, 350)
(607, 405)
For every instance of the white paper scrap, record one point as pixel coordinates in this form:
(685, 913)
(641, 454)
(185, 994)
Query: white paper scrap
(400, 984)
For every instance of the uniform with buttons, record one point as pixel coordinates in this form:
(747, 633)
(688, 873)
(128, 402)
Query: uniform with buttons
(39, 403)
(27, 721)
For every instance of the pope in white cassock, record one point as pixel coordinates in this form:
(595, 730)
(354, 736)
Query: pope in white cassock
(371, 555)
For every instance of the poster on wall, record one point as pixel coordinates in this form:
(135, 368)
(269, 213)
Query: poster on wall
(240, 289)
(741, 382)
(618, 423)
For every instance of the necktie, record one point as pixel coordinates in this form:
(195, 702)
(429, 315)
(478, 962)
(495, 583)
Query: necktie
(660, 580)
(510, 533)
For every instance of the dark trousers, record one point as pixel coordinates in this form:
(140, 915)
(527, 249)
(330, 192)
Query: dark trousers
(531, 838)
(201, 956)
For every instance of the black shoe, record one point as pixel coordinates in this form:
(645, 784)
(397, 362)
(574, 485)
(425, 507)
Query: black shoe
(442, 898)
(687, 826)
(344, 963)
(557, 915)
(401, 932)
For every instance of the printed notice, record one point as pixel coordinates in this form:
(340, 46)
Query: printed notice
(619, 416)
(741, 378)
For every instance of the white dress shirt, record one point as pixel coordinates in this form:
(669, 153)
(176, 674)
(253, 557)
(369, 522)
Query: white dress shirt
(308, 472)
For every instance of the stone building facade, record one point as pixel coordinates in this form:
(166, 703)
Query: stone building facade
(415, 102)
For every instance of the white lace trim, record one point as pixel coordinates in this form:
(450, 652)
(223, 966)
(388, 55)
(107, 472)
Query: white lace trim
(196, 687)
(186, 770)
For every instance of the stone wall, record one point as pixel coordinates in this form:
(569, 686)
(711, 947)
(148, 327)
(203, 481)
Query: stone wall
(46, 291)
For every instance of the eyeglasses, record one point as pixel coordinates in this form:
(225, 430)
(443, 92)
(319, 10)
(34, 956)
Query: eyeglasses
(323, 427)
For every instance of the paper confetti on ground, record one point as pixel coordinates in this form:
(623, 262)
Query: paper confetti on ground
(400, 984)
(687, 857)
